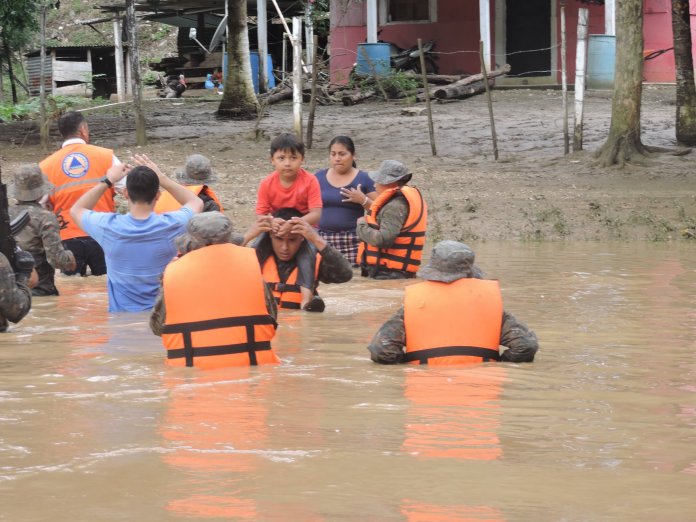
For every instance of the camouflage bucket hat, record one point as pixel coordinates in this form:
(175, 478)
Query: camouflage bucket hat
(390, 171)
(450, 261)
(30, 183)
(197, 171)
(208, 228)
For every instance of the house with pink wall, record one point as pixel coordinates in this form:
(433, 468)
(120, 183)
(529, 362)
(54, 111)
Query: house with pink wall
(526, 34)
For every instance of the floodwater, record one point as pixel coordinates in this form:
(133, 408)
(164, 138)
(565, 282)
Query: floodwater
(602, 426)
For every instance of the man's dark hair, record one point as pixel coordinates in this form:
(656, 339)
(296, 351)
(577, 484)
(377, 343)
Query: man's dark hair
(287, 213)
(142, 184)
(287, 141)
(69, 123)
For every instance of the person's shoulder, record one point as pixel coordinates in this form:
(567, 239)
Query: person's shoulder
(306, 177)
(321, 173)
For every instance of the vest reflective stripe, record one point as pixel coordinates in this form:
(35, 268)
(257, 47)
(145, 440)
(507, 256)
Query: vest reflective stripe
(287, 295)
(216, 310)
(68, 189)
(455, 323)
(167, 203)
(407, 250)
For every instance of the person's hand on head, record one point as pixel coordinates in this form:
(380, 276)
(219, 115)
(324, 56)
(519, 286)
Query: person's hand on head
(284, 229)
(276, 224)
(307, 231)
(142, 159)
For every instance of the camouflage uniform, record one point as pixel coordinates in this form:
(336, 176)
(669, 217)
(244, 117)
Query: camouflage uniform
(15, 296)
(450, 262)
(41, 238)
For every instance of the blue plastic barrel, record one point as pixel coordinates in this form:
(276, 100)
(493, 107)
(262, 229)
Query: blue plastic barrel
(377, 54)
(270, 79)
(601, 58)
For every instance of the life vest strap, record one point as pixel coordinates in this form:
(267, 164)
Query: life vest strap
(404, 260)
(224, 322)
(486, 354)
(225, 349)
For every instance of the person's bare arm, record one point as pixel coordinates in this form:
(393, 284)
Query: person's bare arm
(181, 194)
(90, 198)
(313, 216)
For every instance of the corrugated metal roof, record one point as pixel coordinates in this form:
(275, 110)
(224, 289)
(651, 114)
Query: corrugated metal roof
(36, 52)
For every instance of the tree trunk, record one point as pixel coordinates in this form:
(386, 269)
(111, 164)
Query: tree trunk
(623, 142)
(2, 87)
(238, 97)
(8, 57)
(137, 86)
(686, 90)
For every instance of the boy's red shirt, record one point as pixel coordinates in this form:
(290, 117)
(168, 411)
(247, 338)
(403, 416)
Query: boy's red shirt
(303, 194)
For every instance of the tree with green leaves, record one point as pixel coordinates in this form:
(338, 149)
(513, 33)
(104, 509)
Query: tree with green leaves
(686, 90)
(17, 26)
(238, 96)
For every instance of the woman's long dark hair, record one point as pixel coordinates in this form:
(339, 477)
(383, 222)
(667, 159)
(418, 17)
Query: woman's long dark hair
(347, 142)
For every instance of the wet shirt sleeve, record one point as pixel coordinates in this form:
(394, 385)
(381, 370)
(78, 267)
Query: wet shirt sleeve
(15, 297)
(57, 256)
(387, 346)
(334, 267)
(520, 341)
(390, 221)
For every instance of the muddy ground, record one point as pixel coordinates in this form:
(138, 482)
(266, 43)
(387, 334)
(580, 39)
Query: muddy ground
(533, 192)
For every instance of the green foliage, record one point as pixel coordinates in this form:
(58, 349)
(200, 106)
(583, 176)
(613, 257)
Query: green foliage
(30, 109)
(320, 16)
(397, 84)
(150, 78)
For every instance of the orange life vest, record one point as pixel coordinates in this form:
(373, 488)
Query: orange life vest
(455, 323)
(167, 203)
(406, 251)
(74, 170)
(216, 310)
(287, 294)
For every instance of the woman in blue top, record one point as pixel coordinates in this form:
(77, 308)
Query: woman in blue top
(346, 193)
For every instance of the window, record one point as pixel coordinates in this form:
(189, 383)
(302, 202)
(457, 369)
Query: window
(407, 11)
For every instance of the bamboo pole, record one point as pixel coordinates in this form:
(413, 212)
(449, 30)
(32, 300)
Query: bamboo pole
(431, 129)
(43, 129)
(580, 59)
(297, 75)
(564, 81)
(313, 98)
(490, 102)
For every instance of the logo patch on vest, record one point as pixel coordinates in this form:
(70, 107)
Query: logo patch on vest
(75, 165)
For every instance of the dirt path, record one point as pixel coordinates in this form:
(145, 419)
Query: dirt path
(532, 193)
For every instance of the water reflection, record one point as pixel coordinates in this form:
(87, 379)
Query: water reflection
(93, 426)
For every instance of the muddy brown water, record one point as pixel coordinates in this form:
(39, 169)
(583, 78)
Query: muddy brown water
(602, 426)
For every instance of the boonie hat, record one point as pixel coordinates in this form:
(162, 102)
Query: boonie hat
(390, 171)
(208, 228)
(450, 261)
(197, 170)
(30, 183)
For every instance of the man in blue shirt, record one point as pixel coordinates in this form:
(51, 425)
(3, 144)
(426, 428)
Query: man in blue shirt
(140, 244)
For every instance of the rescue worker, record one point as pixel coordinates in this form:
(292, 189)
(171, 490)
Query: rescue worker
(41, 237)
(200, 323)
(392, 234)
(277, 253)
(196, 176)
(74, 169)
(453, 317)
(15, 285)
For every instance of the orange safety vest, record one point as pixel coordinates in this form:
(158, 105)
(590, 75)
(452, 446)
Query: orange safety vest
(406, 251)
(455, 323)
(216, 310)
(74, 170)
(287, 294)
(167, 203)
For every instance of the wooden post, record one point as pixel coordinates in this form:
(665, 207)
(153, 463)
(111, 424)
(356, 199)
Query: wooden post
(610, 17)
(140, 125)
(371, 20)
(485, 30)
(431, 129)
(283, 67)
(490, 102)
(43, 123)
(564, 81)
(313, 98)
(580, 59)
(262, 33)
(297, 75)
(118, 57)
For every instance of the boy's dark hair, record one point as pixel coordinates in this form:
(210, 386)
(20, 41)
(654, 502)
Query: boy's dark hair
(287, 141)
(287, 212)
(69, 123)
(142, 184)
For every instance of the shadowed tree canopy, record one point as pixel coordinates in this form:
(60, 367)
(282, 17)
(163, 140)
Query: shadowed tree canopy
(17, 25)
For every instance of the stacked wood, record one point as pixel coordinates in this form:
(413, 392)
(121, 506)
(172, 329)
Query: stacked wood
(352, 98)
(438, 79)
(462, 88)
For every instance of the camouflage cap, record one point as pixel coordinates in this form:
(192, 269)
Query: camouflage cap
(208, 228)
(390, 171)
(30, 183)
(197, 170)
(449, 261)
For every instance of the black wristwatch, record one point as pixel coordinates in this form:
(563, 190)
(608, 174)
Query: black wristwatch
(107, 181)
